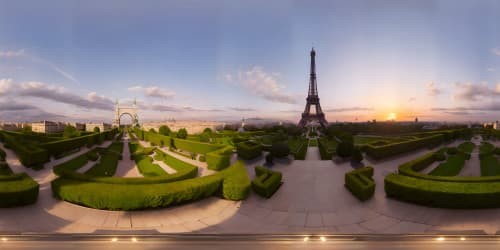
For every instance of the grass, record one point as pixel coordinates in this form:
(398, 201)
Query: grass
(486, 147)
(73, 164)
(5, 169)
(313, 143)
(147, 168)
(451, 167)
(106, 166)
(490, 166)
(172, 162)
(331, 144)
(467, 147)
(361, 140)
(116, 147)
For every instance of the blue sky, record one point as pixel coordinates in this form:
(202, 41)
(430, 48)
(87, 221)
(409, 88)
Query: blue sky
(438, 60)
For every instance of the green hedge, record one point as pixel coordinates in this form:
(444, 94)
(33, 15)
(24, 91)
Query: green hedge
(266, 181)
(107, 165)
(146, 166)
(490, 165)
(379, 152)
(75, 163)
(444, 194)
(324, 152)
(248, 150)
(452, 166)
(29, 155)
(360, 183)
(61, 146)
(219, 159)
(18, 190)
(232, 183)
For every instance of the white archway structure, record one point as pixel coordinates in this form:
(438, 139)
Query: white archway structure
(126, 110)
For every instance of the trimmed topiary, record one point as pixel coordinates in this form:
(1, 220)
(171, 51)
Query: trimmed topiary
(280, 149)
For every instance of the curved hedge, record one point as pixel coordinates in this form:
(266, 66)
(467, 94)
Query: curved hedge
(360, 182)
(219, 159)
(248, 150)
(266, 181)
(29, 155)
(441, 191)
(61, 146)
(232, 183)
(17, 190)
(379, 152)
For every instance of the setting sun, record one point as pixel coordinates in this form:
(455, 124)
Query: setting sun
(391, 116)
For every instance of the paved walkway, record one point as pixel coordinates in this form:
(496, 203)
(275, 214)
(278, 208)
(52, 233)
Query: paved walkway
(312, 199)
(126, 167)
(312, 153)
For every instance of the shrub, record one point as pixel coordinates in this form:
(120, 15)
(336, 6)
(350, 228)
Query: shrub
(248, 150)
(360, 183)
(3, 155)
(269, 159)
(280, 149)
(29, 155)
(452, 151)
(266, 181)
(202, 158)
(344, 149)
(18, 190)
(219, 159)
(232, 183)
(379, 152)
(164, 130)
(182, 133)
(357, 156)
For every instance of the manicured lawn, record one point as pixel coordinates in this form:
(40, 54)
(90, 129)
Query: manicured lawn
(490, 165)
(73, 164)
(331, 144)
(171, 161)
(116, 147)
(313, 143)
(298, 147)
(451, 167)
(361, 140)
(147, 168)
(486, 147)
(106, 166)
(467, 147)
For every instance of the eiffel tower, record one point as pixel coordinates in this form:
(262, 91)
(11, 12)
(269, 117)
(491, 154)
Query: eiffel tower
(313, 100)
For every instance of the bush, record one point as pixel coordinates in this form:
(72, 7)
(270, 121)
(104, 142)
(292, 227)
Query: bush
(379, 152)
(452, 151)
(29, 155)
(232, 183)
(360, 183)
(182, 133)
(202, 158)
(18, 190)
(344, 149)
(219, 159)
(269, 159)
(357, 156)
(266, 181)
(280, 149)
(248, 150)
(3, 155)
(164, 130)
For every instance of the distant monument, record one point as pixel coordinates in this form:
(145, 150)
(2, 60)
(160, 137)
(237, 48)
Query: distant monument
(241, 129)
(122, 110)
(317, 117)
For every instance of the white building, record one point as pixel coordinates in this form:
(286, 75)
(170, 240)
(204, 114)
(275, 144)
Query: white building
(47, 127)
(78, 126)
(101, 125)
(496, 125)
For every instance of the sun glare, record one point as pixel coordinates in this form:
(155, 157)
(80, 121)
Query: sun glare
(391, 116)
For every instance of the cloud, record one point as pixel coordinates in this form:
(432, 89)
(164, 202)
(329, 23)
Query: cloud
(13, 111)
(242, 109)
(433, 90)
(474, 92)
(11, 53)
(261, 84)
(169, 108)
(153, 91)
(487, 107)
(59, 94)
(496, 51)
(6, 85)
(491, 69)
(412, 99)
(348, 109)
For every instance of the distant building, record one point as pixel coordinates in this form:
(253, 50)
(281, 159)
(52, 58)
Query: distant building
(11, 126)
(496, 125)
(47, 127)
(101, 125)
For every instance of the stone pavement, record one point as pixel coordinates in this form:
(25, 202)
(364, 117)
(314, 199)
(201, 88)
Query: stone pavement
(126, 167)
(312, 199)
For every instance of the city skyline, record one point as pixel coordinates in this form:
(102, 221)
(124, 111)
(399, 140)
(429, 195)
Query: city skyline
(70, 60)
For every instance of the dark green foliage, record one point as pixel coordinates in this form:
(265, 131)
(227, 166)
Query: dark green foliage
(248, 150)
(146, 166)
(361, 183)
(439, 156)
(357, 156)
(269, 159)
(467, 147)
(280, 149)
(70, 132)
(61, 146)
(164, 130)
(379, 152)
(219, 159)
(486, 147)
(182, 133)
(2, 155)
(5, 169)
(327, 148)
(298, 148)
(29, 155)
(202, 158)
(266, 181)
(75, 163)
(446, 194)
(97, 130)
(232, 183)
(106, 166)
(207, 130)
(490, 165)
(452, 151)
(344, 149)
(17, 190)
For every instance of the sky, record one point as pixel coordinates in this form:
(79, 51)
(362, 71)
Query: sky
(223, 60)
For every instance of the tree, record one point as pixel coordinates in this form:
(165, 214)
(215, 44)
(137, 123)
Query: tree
(182, 133)
(70, 132)
(357, 156)
(152, 130)
(164, 130)
(97, 130)
(207, 130)
(205, 137)
(344, 149)
(280, 149)
(27, 129)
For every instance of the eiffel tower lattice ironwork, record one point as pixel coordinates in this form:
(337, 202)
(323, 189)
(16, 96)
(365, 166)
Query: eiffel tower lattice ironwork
(313, 99)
